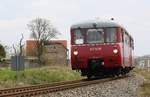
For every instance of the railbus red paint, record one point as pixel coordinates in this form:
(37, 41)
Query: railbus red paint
(101, 48)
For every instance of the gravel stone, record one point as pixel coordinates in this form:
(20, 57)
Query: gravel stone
(126, 87)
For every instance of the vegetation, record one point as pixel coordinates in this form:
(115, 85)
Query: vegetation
(145, 87)
(36, 76)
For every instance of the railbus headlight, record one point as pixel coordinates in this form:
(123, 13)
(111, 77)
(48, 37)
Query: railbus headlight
(75, 52)
(115, 51)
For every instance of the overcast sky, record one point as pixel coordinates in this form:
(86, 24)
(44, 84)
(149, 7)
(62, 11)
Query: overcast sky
(133, 14)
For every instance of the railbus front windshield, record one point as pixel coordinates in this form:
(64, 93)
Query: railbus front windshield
(95, 36)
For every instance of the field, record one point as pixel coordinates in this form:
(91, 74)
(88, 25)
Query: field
(145, 88)
(35, 76)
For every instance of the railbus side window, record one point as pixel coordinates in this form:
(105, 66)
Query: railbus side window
(126, 39)
(122, 35)
(132, 44)
(78, 39)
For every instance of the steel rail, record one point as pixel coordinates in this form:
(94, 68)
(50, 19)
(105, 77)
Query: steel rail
(55, 87)
(32, 87)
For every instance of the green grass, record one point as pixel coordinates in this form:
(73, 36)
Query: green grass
(143, 72)
(6, 74)
(144, 90)
(36, 76)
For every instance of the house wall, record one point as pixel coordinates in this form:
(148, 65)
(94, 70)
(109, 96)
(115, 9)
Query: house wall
(55, 52)
(31, 49)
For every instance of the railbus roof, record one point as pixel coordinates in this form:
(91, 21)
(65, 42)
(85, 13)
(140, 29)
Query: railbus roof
(98, 23)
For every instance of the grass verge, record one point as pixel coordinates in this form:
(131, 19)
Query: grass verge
(144, 89)
(35, 76)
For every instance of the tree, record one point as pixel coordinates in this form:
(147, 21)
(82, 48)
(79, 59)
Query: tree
(41, 30)
(2, 51)
(20, 46)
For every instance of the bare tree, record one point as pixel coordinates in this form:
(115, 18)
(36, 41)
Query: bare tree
(41, 30)
(19, 49)
(21, 46)
(15, 50)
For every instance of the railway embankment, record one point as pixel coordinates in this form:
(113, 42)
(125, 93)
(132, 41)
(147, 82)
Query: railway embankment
(126, 87)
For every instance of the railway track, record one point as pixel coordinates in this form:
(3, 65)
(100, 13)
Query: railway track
(47, 88)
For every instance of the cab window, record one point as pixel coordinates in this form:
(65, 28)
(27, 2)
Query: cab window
(78, 37)
(111, 36)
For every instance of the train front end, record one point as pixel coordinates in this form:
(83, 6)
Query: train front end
(95, 48)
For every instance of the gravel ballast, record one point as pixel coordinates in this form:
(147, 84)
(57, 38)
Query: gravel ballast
(126, 87)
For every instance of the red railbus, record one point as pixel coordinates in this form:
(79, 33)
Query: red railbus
(101, 48)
